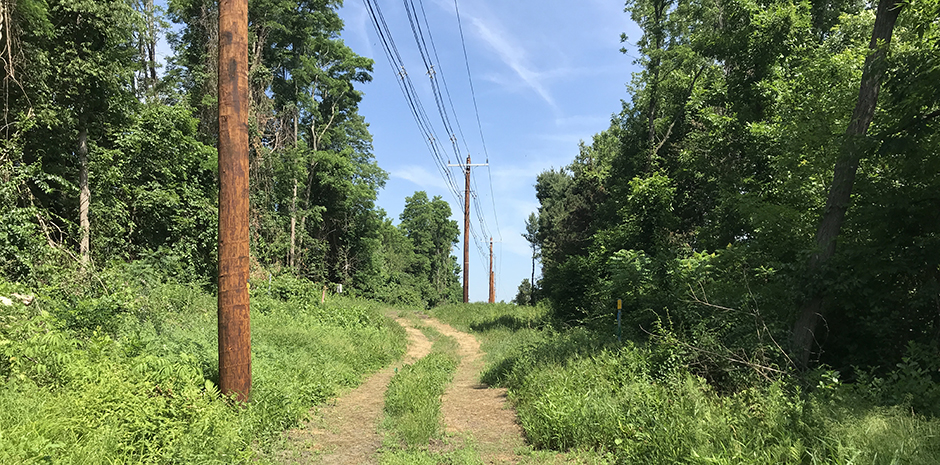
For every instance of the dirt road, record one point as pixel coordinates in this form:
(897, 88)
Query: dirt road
(346, 430)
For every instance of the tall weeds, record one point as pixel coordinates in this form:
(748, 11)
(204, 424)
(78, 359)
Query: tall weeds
(88, 377)
(641, 403)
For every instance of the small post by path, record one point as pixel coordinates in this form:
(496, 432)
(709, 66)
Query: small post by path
(619, 306)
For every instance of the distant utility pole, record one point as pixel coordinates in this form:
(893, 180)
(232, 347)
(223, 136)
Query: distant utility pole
(234, 322)
(492, 284)
(466, 229)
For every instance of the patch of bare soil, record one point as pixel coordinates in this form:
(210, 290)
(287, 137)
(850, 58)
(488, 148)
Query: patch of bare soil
(473, 410)
(346, 431)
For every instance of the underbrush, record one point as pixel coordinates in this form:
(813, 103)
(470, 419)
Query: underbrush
(125, 370)
(575, 389)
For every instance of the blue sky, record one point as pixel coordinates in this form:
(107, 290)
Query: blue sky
(546, 75)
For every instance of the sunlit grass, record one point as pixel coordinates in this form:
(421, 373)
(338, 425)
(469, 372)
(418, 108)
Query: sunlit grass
(577, 390)
(147, 391)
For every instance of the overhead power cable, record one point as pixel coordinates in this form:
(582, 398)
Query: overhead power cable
(476, 110)
(411, 95)
(423, 37)
(424, 41)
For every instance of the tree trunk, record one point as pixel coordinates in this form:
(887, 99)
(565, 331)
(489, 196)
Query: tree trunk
(9, 75)
(84, 197)
(293, 209)
(659, 11)
(315, 141)
(293, 225)
(146, 78)
(853, 146)
(152, 43)
(532, 282)
(310, 167)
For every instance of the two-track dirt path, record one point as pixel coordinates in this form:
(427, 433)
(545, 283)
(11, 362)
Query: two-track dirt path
(346, 430)
(473, 409)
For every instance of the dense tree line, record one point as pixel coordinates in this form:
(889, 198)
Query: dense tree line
(104, 160)
(768, 195)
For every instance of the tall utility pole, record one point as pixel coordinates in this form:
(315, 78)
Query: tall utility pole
(492, 284)
(234, 322)
(466, 228)
(466, 236)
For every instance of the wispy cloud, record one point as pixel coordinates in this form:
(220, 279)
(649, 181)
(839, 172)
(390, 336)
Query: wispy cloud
(357, 27)
(507, 49)
(420, 176)
(512, 55)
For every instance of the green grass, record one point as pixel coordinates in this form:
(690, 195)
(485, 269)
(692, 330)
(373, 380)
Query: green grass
(636, 403)
(423, 455)
(144, 389)
(413, 410)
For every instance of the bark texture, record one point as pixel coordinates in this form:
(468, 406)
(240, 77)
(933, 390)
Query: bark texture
(84, 198)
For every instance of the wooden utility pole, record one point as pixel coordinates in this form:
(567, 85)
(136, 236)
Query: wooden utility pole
(466, 229)
(492, 283)
(466, 236)
(234, 321)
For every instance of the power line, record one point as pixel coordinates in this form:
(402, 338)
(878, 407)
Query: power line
(476, 110)
(432, 73)
(422, 38)
(421, 31)
(444, 81)
(409, 92)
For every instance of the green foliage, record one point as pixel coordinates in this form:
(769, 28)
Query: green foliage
(165, 204)
(525, 294)
(462, 456)
(84, 71)
(389, 279)
(569, 286)
(698, 206)
(913, 383)
(427, 225)
(23, 252)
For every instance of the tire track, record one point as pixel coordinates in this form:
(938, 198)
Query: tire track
(347, 430)
(473, 409)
